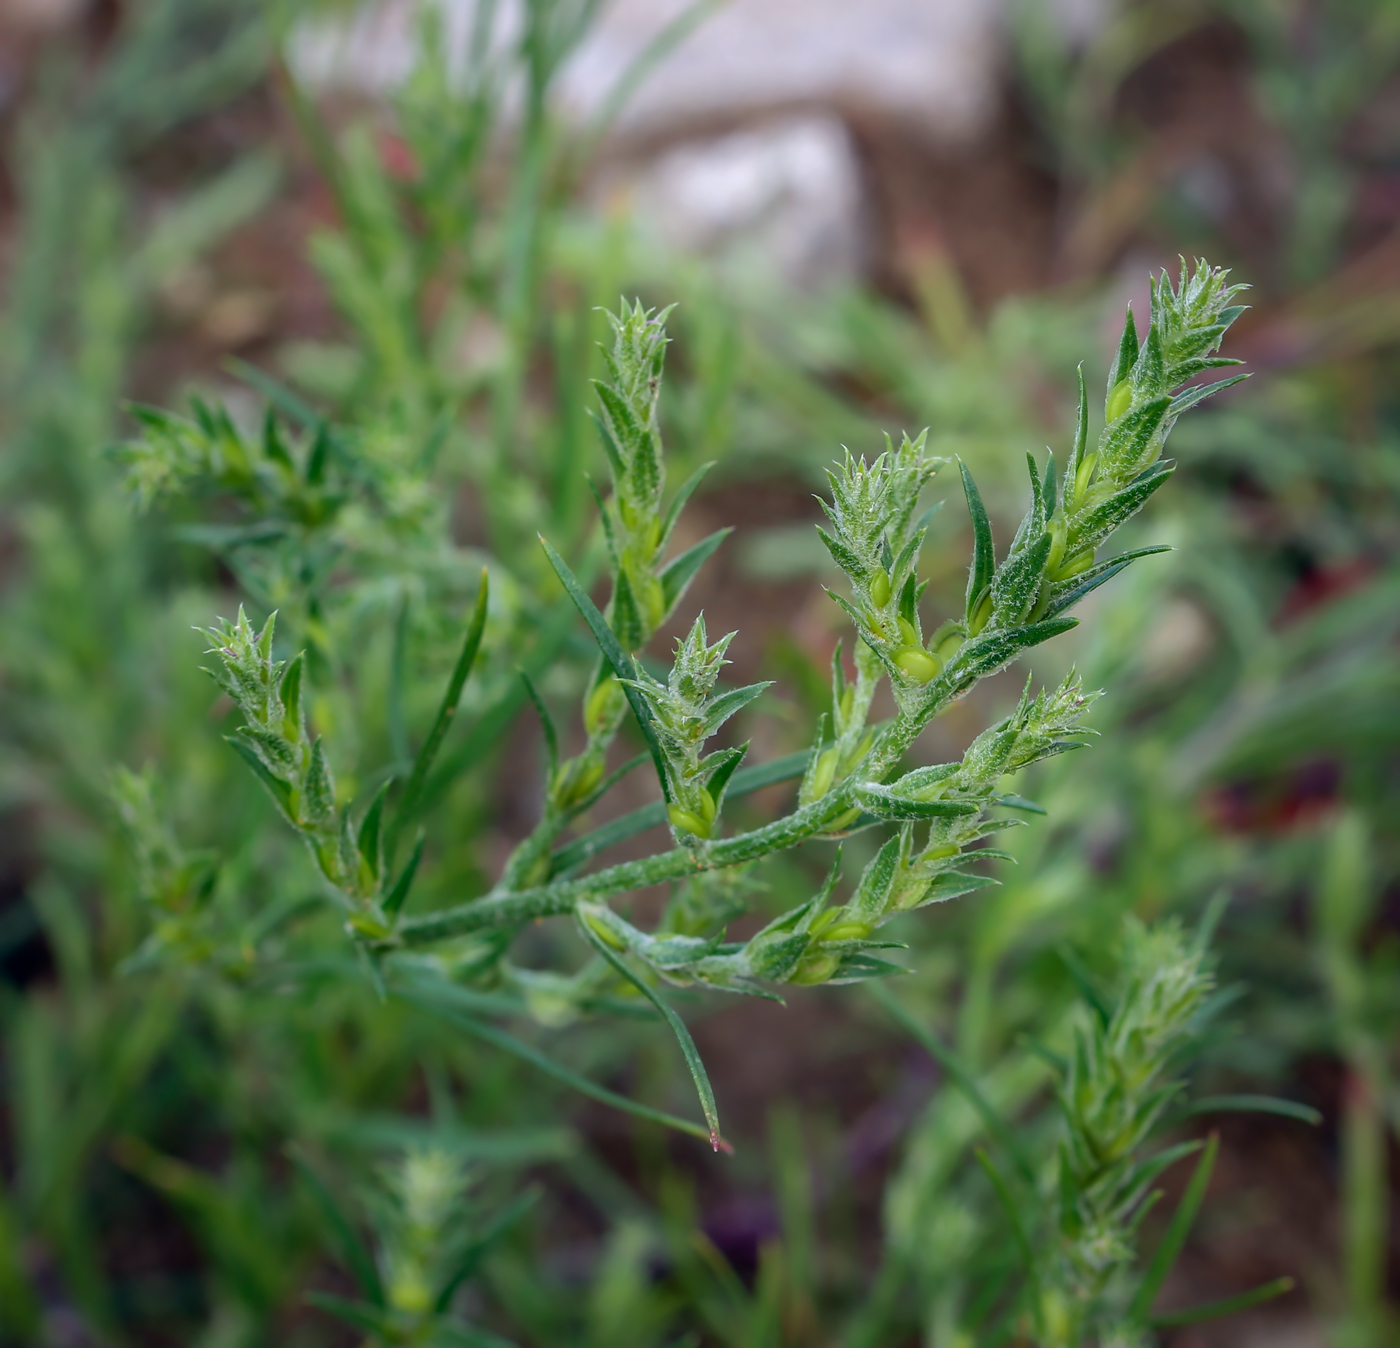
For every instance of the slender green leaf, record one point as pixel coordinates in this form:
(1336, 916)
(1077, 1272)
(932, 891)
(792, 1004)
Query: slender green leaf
(678, 1027)
(1250, 1104)
(680, 571)
(368, 1318)
(1018, 1227)
(959, 1075)
(979, 577)
(467, 1262)
(471, 644)
(1214, 1310)
(394, 900)
(508, 1043)
(620, 662)
(352, 1250)
(551, 736)
(1174, 1238)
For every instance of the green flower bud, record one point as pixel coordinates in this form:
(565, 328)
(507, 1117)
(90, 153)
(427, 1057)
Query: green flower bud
(843, 821)
(684, 821)
(653, 601)
(603, 704)
(576, 779)
(603, 932)
(368, 925)
(1074, 566)
(1082, 477)
(847, 931)
(880, 589)
(917, 663)
(814, 969)
(1119, 400)
(823, 774)
(949, 646)
(981, 614)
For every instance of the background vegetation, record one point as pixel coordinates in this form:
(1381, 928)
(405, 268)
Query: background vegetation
(214, 1129)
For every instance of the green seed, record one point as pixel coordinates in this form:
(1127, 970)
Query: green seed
(1119, 400)
(602, 703)
(686, 822)
(603, 932)
(814, 969)
(1074, 566)
(847, 931)
(917, 663)
(981, 613)
(948, 647)
(823, 774)
(880, 589)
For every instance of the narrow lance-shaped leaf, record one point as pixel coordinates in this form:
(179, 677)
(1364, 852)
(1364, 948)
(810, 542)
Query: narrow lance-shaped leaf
(1215, 1310)
(1081, 439)
(1126, 356)
(368, 843)
(1174, 1238)
(498, 1038)
(618, 659)
(983, 557)
(351, 1248)
(551, 737)
(471, 644)
(678, 1027)
(683, 494)
(680, 571)
(394, 900)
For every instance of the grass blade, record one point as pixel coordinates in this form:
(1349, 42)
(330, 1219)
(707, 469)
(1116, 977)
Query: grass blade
(470, 645)
(351, 1248)
(1213, 1310)
(1018, 1227)
(958, 1074)
(1250, 1104)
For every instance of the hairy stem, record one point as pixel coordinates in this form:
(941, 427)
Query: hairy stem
(516, 908)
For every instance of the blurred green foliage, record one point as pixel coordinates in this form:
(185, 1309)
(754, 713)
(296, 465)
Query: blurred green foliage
(194, 1145)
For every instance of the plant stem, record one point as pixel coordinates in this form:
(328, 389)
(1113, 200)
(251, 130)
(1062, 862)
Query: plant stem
(504, 908)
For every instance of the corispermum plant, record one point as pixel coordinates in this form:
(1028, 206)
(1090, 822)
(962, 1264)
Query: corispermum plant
(856, 774)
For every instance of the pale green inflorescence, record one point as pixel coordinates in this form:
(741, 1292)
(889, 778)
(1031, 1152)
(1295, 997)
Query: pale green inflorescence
(855, 775)
(1112, 1096)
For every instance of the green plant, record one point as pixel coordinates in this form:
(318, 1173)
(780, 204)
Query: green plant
(854, 776)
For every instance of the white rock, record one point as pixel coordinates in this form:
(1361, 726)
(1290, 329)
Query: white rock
(785, 194)
(931, 61)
